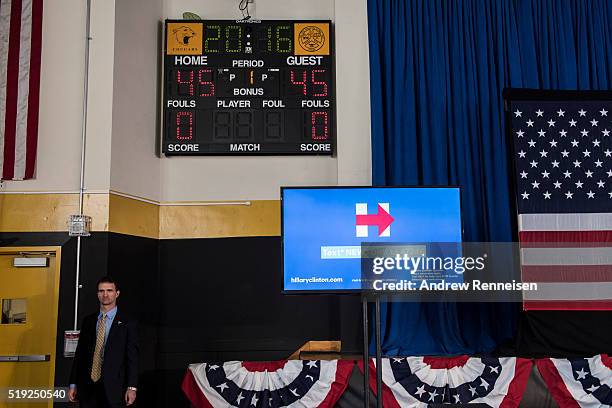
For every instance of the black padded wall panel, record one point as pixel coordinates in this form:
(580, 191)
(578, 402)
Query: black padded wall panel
(222, 301)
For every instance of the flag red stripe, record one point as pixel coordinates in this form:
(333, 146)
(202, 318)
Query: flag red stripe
(552, 244)
(192, 391)
(607, 360)
(34, 88)
(344, 369)
(516, 389)
(562, 239)
(12, 76)
(261, 366)
(566, 273)
(446, 362)
(568, 305)
(388, 398)
(556, 385)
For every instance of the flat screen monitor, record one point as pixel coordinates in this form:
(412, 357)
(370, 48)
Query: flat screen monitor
(324, 229)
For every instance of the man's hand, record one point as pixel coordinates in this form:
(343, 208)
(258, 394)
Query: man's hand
(72, 394)
(130, 397)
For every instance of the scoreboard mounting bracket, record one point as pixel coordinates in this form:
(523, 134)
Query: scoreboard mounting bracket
(260, 87)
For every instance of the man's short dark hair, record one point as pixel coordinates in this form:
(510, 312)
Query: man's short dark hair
(107, 279)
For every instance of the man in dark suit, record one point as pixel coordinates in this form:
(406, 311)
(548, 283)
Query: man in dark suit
(105, 368)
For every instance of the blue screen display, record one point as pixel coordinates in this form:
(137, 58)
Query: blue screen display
(324, 228)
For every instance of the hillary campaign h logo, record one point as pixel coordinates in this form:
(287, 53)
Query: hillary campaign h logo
(382, 219)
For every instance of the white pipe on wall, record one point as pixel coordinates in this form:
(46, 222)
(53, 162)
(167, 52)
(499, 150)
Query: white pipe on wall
(83, 145)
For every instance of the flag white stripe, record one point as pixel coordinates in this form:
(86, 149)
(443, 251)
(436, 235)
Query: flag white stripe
(237, 373)
(566, 256)
(23, 90)
(566, 222)
(468, 373)
(571, 291)
(5, 25)
(438, 377)
(599, 370)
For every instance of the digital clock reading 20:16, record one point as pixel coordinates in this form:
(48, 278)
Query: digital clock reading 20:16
(255, 87)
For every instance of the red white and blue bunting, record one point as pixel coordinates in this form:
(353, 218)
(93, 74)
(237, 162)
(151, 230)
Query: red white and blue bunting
(294, 383)
(415, 382)
(579, 382)
(420, 381)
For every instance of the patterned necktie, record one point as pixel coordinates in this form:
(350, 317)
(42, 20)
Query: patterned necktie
(96, 367)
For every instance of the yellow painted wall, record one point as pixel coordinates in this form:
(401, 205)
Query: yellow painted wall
(140, 217)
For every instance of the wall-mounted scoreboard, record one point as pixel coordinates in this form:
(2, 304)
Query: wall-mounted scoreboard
(248, 87)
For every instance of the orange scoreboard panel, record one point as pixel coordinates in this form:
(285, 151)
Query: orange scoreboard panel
(248, 88)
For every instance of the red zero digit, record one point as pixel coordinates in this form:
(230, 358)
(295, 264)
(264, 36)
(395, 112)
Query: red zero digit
(317, 134)
(189, 116)
(185, 81)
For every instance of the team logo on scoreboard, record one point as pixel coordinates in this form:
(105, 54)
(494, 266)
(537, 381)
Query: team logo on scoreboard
(312, 38)
(184, 38)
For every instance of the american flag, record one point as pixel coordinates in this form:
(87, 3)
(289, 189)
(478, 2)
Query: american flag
(20, 49)
(562, 160)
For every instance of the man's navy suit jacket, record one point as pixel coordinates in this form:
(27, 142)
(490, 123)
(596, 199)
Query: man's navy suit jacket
(120, 365)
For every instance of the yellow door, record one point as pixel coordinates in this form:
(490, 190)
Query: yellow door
(28, 324)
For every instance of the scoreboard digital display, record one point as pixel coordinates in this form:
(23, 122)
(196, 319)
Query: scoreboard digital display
(248, 87)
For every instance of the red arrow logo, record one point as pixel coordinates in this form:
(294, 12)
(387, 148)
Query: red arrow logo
(383, 219)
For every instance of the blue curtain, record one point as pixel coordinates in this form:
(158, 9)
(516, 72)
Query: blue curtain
(437, 71)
